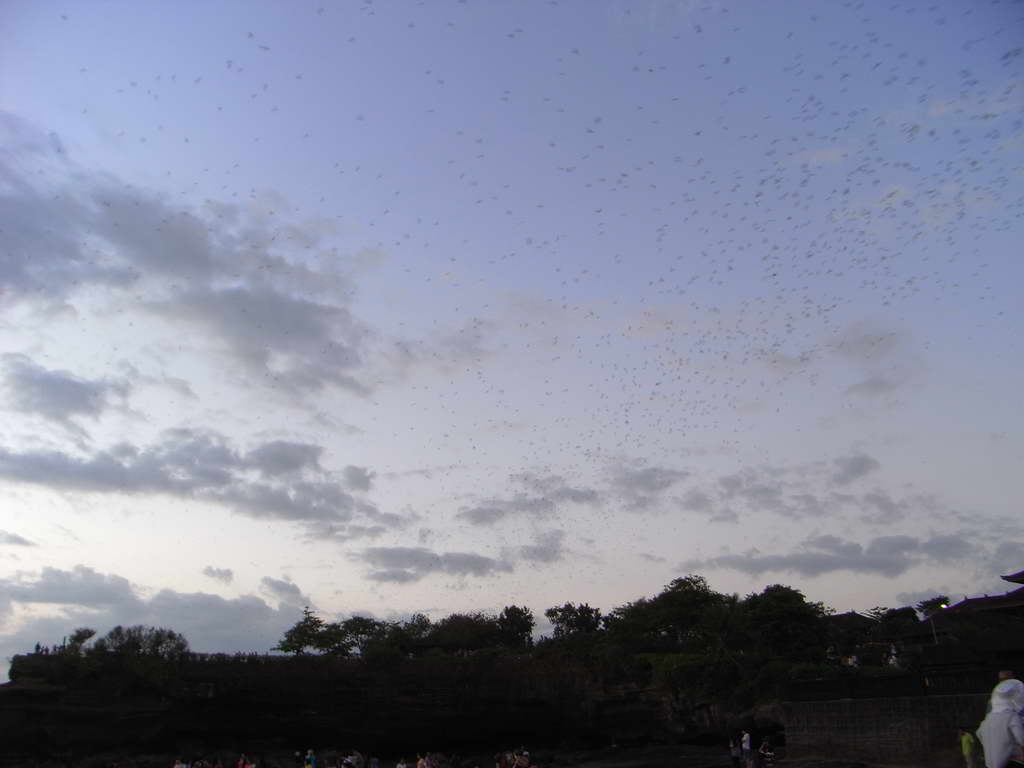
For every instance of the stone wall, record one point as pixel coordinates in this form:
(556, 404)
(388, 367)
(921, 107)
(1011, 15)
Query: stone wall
(903, 729)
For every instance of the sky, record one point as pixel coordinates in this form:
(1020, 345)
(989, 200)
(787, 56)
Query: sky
(395, 307)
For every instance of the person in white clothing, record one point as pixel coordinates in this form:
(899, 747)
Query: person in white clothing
(748, 755)
(1002, 732)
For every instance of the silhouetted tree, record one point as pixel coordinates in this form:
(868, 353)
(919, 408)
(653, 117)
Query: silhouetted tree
(894, 623)
(515, 626)
(76, 640)
(932, 605)
(362, 631)
(304, 636)
(571, 619)
(782, 623)
(411, 635)
(680, 618)
(333, 639)
(139, 640)
(465, 632)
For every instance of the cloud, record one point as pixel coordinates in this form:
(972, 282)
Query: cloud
(874, 385)
(82, 586)
(555, 488)
(224, 575)
(486, 514)
(803, 491)
(340, 532)
(58, 395)
(203, 465)
(947, 547)
(287, 341)
(886, 510)
(284, 590)
(546, 548)
(86, 597)
(850, 468)
(493, 510)
(642, 487)
(358, 478)
(407, 564)
(14, 540)
(396, 576)
(724, 515)
(267, 291)
(761, 490)
(281, 457)
(296, 502)
(696, 500)
(888, 556)
(651, 558)
(1008, 557)
(862, 344)
(541, 498)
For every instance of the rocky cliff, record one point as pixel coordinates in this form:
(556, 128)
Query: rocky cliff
(442, 703)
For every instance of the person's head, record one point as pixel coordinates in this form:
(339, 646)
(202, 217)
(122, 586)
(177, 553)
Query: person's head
(1005, 674)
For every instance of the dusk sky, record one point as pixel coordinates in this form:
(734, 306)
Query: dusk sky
(386, 307)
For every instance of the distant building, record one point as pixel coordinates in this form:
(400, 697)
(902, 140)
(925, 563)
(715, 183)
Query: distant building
(1010, 604)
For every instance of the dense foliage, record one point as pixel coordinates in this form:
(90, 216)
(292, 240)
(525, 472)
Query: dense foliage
(696, 644)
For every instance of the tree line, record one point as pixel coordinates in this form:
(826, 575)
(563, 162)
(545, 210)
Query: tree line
(687, 616)
(689, 638)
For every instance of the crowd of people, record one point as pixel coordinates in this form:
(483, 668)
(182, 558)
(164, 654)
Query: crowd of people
(309, 759)
(515, 758)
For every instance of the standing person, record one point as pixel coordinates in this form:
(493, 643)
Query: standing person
(748, 755)
(310, 759)
(735, 751)
(765, 756)
(1002, 732)
(242, 761)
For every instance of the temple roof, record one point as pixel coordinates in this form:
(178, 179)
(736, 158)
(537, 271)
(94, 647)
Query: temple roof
(1016, 578)
(1012, 599)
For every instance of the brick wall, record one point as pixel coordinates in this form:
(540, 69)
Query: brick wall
(890, 730)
